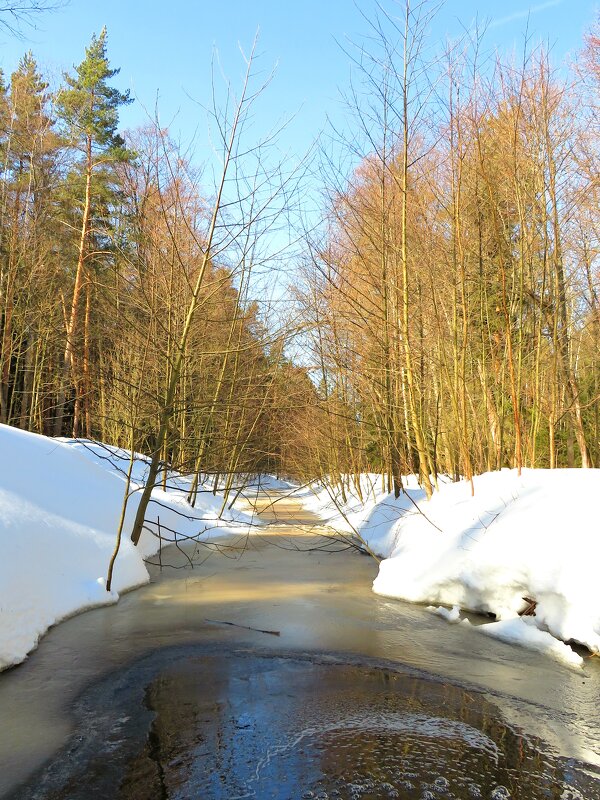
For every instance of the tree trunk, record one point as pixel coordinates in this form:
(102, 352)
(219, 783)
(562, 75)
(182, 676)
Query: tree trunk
(68, 367)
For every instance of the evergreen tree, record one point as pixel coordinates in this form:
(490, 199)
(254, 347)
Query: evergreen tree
(29, 158)
(89, 109)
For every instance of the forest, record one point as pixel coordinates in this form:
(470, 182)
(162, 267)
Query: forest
(299, 428)
(443, 317)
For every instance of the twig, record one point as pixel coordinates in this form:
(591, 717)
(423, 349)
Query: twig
(246, 627)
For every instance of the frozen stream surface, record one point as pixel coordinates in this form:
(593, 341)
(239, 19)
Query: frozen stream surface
(319, 689)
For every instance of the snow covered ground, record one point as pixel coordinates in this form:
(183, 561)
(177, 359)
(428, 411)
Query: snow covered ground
(536, 536)
(60, 502)
(373, 514)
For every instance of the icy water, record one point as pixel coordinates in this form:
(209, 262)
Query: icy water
(270, 670)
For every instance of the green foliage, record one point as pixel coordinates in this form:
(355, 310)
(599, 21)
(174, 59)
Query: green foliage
(32, 135)
(89, 106)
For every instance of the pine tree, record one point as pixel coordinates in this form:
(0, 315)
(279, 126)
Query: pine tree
(29, 156)
(89, 109)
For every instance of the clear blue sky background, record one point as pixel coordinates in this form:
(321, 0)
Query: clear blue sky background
(166, 47)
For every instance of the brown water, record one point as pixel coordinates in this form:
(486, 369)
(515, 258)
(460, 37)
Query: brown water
(333, 681)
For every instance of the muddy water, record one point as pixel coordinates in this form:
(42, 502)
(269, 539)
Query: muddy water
(271, 670)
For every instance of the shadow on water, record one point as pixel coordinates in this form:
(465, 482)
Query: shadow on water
(225, 726)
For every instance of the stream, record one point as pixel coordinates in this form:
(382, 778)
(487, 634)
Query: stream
(269, 669)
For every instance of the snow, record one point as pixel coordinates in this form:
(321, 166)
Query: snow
(522, 630)
(60, 502)
(531, 536)
(449, 614)
(516, 630)
(270, 483)
(371, 514)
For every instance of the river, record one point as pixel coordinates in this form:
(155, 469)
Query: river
(270, 670)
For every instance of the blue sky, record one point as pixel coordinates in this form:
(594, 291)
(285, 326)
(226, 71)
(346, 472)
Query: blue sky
(166, 48)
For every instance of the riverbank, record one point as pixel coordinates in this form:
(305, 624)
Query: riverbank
(296, 600)
(60, 505)
(522, 549)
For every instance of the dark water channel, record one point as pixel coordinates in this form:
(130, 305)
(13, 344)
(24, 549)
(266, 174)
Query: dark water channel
(235, 725)
(314, 689)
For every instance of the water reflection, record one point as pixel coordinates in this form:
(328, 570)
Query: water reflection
(259, 727)
(320, 603)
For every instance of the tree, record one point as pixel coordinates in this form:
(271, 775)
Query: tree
(454, 290)
(89, 110)
(30, 154)
(16, 13)
(251, 194)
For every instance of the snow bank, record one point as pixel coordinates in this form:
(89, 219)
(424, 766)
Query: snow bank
(373, 514)
(517, 630)
(60, 503)
(535, 536)
(449, 614)
(523, 631)
(269, 483)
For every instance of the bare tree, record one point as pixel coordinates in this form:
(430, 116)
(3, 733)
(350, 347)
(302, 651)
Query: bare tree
(251, 193)
(15, 15)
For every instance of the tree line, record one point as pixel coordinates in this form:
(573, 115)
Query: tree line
(125, 306)
(447, 318)
(453, 288)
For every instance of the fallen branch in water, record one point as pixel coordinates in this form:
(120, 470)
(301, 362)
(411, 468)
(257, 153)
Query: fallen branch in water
(246, 627)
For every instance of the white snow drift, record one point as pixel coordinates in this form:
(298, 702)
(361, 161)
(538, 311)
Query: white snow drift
(60, 503)
(533, 536)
